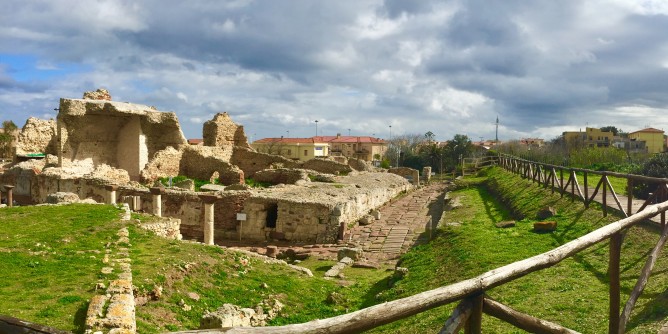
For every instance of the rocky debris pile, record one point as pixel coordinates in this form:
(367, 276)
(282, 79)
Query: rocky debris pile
(99, 94)
(62, 197)
(165, 227)
(347, 256)
(230, 315)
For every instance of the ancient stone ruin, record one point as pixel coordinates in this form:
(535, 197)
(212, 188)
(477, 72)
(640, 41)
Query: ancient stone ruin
(114, 152)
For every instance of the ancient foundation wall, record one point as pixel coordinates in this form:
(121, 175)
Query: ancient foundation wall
(412, 175)
(44, 185)
(327, 166)
(293, 221)
(281, 175)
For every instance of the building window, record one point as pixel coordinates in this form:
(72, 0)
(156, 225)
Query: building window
(305, 153)
(289, 152)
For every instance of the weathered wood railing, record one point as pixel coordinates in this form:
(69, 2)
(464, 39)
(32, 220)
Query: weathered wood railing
(473, 300)
(553, 176)
(472, 165)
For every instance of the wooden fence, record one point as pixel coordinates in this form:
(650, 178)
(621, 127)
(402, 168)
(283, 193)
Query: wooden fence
(565, 180)
(470, 293)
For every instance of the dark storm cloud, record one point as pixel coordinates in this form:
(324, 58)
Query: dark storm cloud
(447, 66)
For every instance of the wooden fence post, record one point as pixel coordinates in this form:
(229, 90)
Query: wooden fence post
(613, 273)
(474, 323)
(629, 195)
(586, 189)
(604, 179)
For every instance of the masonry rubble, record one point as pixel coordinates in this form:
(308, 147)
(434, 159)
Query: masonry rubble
(102, 145)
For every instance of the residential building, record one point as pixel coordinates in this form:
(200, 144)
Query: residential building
(196, 141)
(629, 145)
(301, 149)
(532, 142)
(592, 137)
(360, 147)
(653, 138)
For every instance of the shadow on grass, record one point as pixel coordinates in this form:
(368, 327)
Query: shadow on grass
(654, 311)
(79, 320)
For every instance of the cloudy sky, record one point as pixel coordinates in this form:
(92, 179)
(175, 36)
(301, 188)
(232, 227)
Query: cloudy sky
(358, 66)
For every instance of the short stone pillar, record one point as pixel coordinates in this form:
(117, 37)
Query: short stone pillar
(10, 198)
(426, 174)
(207, 226)
(416, 177)
(111, 188)
(157, 200)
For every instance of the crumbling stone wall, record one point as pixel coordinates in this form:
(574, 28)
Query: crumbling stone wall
(122, 135)
(164, 163)
(37, 136)
(99, 94)
(221, 131)
(251, 162)
(45, 184)
(410, 174)
(327, 166)
(201, 162)
(360, 165)
(169, 228)
(296, 221)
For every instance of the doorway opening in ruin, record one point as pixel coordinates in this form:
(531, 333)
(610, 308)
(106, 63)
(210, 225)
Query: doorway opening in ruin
(272, 215)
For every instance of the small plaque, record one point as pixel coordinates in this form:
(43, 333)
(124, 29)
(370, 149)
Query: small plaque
(241, 216)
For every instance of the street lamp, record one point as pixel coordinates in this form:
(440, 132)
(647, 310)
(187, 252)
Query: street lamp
(288, 133)
(316, 127)
(348, 132)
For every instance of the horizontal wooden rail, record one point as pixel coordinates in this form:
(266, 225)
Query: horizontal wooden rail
(381, 314)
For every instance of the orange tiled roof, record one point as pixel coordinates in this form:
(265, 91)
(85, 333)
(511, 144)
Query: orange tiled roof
(323, 139)
(650, 130)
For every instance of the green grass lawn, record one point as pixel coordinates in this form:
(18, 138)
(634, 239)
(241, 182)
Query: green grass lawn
(50, 260)
(574, 293)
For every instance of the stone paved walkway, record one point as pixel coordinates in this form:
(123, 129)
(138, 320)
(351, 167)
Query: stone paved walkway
(403, 223)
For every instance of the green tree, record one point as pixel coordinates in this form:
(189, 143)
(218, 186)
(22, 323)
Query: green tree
(612, 129)
(432, 155)
(458, 148)
(7, 138)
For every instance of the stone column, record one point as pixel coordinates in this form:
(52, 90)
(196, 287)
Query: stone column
(157, 200)
(208, 201)
(426, 173)
(416, 177)
(10, 198)
(111, 188)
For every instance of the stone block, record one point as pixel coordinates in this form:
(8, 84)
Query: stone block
(545, 226)
(546, 212)
(353, 253)
(505, 224)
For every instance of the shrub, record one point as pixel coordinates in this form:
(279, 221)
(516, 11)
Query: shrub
(656, 166)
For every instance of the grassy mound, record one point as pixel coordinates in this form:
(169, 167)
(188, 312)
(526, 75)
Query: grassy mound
(51, 260)
(574, 293)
